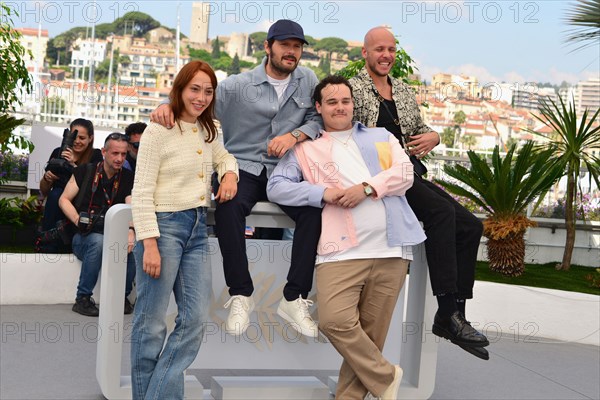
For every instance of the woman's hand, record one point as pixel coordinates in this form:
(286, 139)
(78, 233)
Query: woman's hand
(151, 258)
(130, 240)
(227, 188)
(50, 177)
(69, 155)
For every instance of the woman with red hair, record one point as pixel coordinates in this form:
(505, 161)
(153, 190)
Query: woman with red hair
(169, 201)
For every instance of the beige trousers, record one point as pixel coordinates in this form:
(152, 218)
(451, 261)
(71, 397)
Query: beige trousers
(356, 301)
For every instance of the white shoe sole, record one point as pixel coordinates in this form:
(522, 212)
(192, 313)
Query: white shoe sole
(296, 326)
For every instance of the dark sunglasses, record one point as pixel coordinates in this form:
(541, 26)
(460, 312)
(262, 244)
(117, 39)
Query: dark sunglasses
(117, 137)
(136, 145)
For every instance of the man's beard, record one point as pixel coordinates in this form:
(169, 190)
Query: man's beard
(279, 67)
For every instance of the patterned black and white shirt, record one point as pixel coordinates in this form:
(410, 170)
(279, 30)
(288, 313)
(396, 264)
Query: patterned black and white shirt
(366, 104)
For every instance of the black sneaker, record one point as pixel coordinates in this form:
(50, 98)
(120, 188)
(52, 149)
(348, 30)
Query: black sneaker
(128, 307)
(85, 305)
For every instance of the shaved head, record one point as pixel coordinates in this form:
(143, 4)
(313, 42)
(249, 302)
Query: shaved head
(377, 33)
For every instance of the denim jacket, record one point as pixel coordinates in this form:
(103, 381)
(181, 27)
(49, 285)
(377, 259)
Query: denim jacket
(251, 114)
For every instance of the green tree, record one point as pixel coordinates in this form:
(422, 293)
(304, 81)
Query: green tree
(469, 141)
(325, 66)
(505, 190)
(257, 40)
(14, 79)
(584, 16)
(136, 23)
(234, 67)
(216, 48)
(259, 55)
(355, 53)
(331, 45)
(311, 40)
(101, 71)
(318, 72)
(447, 137)
(198, 54)
(459, 119)
(570, 143)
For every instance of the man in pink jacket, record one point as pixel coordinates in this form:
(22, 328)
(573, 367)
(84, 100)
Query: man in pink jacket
(358, 176)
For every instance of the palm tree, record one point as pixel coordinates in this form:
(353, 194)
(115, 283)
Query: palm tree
(571, 140)
(505, 190)
(585, 19)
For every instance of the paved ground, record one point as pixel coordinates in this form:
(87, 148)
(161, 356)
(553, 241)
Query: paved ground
(49, 352)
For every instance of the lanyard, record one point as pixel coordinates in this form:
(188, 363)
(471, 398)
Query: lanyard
(96, 182)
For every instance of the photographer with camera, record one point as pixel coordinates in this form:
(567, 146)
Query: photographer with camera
(108, 184)
(76, 149)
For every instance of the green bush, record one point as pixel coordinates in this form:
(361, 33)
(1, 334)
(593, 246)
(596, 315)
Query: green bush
(17, 212)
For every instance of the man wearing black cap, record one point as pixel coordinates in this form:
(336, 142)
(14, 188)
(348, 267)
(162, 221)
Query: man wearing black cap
(260, 112)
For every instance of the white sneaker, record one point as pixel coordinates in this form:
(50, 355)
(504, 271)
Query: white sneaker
(239, 314)
(296, 312)
(391, 393)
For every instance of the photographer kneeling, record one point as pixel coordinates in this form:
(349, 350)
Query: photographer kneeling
(105, 184)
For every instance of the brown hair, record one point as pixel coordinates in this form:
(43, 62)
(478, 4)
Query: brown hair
(86, 156)
(182, 79)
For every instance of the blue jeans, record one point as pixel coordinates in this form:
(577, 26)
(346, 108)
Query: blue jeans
(88, 249)
(185, 270)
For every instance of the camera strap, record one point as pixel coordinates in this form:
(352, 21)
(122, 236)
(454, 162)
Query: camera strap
(98, 180)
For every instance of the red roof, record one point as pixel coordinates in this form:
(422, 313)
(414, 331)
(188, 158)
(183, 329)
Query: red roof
(31, 31)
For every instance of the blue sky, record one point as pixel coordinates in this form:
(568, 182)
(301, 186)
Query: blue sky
(496, 41)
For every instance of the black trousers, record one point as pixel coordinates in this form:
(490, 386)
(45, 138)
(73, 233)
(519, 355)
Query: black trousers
(453, 236)
(230, 218)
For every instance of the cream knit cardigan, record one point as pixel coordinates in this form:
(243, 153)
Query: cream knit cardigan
(173, 172)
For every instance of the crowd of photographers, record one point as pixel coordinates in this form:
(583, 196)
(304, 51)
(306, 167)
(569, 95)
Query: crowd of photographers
(80, 184)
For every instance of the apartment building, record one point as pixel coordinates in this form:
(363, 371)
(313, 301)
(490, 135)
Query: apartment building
(87, 52)
(587, 96)
(36, 41)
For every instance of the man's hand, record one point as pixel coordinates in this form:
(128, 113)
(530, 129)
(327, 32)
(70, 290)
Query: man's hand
(227, 188)
(332, 195)
(280, 145)
(352, 196)
(163, 115)
(151, 258)
(422, 144)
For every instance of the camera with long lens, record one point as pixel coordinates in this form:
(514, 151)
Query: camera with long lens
(59, 166)
(90, 223)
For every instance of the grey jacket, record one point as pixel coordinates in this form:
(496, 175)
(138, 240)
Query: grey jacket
(251, 115)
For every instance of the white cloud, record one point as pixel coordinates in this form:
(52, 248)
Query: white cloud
(264, 25)
(513, 77)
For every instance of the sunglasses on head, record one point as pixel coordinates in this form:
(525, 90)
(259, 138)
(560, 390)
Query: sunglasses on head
(117, 137)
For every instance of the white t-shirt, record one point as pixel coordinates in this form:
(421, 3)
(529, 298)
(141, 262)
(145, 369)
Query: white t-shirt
(279, 85)
(369, 216)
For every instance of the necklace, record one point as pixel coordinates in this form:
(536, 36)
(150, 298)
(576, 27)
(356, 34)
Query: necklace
(344, 142)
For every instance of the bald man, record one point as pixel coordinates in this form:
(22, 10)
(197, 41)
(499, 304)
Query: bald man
(453, 233)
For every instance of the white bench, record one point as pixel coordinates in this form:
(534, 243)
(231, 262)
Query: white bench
(269, 343)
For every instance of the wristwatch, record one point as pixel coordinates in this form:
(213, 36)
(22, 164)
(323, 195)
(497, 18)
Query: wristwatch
(296, 134)
(367, 188)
